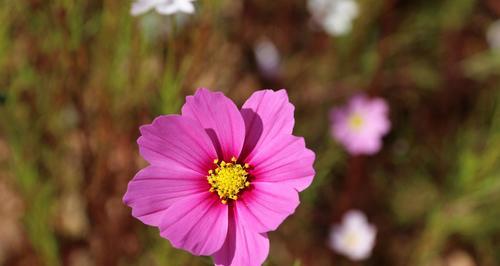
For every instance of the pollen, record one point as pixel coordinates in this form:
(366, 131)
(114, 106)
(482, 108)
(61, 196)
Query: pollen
(228, 179)
(356, 122)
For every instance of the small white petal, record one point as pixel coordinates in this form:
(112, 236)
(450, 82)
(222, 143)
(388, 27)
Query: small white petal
(142, 6)
(337, 25)
(164, 7)
(334, 15)
(354, 217)
(348, 8)
(185, 6)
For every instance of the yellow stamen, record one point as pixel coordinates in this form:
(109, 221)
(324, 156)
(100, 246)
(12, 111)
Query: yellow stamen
(228, 179)
(351, 239)
(356, 121)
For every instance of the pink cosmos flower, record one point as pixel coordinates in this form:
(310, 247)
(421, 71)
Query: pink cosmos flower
(361, 124)
(220, 178)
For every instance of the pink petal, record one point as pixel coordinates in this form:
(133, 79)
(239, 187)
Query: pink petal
(243, 247)
(197, 224)
(268, 115)
(284, 160)
(266, 205)
(220, 118)
(154, 189)
(173, 140)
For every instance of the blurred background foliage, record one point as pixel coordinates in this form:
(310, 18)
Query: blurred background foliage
(77, 78)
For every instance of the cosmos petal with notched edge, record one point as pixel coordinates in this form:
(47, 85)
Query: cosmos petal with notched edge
(284, 160)
(154, 189)
(266, 205)
(267, 115)
(242, 247)
(198, 224)
(221, 119)
(173, 140)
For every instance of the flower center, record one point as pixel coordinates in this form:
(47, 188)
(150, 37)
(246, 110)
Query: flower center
(351, 240)
(356, 122)
(228, 179)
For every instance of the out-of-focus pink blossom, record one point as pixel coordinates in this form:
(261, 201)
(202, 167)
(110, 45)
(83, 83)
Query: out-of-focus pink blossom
(361, 124)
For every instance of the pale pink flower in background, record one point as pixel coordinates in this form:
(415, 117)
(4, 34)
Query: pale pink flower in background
(361, 124)
(493, 35)
(220, 178)
(164, 7)
(354, 238)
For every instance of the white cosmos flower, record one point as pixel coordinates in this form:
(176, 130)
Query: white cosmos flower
(493, 35)
(355, 237)
(267, 57)
(164, 7)
(335, 16)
